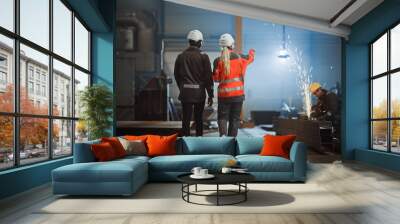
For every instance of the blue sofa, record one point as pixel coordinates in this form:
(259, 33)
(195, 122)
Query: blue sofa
(125, 176)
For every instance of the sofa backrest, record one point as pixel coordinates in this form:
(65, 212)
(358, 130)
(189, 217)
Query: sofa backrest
(207, 145)
(249, 145)
(83, 152)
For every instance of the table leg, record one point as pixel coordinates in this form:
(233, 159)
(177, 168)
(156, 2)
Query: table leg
(182, 188)
(245, 193)
(188, 190)
(217, 194)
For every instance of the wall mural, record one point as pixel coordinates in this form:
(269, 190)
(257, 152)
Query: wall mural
(293, 85)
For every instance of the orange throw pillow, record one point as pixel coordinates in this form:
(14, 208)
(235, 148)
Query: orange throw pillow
(103, 152)
(161, 145)
(116, 145)
(277, 145)
(136, 137)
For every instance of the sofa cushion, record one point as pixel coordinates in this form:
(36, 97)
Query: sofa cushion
(116, 145)
(208, 145)
(112, 171)
(133, 158)
(136, 137)
(249, 145)
(185, 163)
(277, 145)
(161, 145)
(103, 152)
(134, 147)
(257, 163)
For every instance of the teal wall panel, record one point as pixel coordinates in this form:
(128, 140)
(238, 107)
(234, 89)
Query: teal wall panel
(24, 178)
(356, 109)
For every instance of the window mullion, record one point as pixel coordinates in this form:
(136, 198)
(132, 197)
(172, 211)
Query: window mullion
(50, 81)
(73, 82)
(389, 101)
(16, 70)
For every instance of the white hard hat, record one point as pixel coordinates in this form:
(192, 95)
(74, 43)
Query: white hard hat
(195, 35)
(226, 40)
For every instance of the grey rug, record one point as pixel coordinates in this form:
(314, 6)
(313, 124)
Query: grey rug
(166, 198)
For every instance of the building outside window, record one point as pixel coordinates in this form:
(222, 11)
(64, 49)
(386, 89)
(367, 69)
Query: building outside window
(3, 78)
(37, 75)
(38, 89)
(34, 75)
(43, 90)
(3, 61)
(3, 72)
(43, 77)
(30, 72)
(30, 87)
(385, 91)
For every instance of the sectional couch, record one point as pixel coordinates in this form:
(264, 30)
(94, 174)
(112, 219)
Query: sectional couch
(125, 176)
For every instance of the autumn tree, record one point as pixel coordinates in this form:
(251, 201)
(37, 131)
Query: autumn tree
(6, 122)
(380, 127)
(33, 131)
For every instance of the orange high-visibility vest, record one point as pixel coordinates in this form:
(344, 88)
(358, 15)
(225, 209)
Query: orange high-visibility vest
(232, 84)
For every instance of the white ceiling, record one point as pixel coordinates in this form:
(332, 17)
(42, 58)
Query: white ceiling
(314, 15)
(320, 9)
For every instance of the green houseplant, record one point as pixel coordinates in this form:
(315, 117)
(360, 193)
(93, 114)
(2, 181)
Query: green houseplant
(96, 103)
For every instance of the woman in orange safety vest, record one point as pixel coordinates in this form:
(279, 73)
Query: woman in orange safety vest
(229, 71)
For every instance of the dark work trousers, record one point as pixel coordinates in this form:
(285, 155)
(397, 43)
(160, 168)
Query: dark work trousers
(187, 111)
(229, 111)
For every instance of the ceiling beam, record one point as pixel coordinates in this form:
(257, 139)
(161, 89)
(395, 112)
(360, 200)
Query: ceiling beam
(269, 15)
(346, 12)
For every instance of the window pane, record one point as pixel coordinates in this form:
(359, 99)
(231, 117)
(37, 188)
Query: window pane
(6, 74)
(62, 138)
(62, 89)
(379, 135)
(395, 47)
(34, 97)
(395, 136)
(6, 142)
(379, 97)
(62, 29)
(81, 45)
(379, 56)
(81, 131)
(33, 139)
(35, 21)
(395, 129)
(7, 14)
(395, 94)
(81, 81)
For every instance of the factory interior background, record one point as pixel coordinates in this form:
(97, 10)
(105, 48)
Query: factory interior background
(150, 35)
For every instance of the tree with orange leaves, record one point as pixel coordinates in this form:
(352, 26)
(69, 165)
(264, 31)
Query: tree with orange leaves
(33, 131)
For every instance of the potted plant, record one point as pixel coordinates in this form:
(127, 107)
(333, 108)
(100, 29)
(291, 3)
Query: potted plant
(96, 103)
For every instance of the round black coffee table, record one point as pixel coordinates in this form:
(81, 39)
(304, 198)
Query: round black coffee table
(238, 179)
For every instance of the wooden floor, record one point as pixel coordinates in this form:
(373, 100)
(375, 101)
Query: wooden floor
(378, 189)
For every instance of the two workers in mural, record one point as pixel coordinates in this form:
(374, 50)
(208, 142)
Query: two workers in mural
(194, 77)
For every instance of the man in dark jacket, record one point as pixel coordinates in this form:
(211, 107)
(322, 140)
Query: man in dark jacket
(327, 106)
(194, 77)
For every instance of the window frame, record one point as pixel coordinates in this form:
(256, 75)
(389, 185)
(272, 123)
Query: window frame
(16, 114)
(388, 74)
